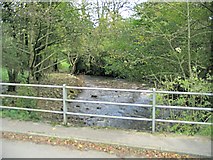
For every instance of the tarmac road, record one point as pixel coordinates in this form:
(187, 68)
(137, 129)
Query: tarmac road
(21, 149)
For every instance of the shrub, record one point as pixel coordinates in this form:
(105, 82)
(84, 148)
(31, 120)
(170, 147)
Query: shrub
(192, 84)
(22, 103)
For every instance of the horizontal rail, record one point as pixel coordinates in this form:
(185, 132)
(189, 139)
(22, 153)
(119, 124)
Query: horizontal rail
(106, 116)
(30, 97)
(106, 89)
(31, 85)
(77, 114)
(109, 89)
(111, 103)
(186, 93)
(185, 122)
(30, 109)
(65, 100)
(187, 108)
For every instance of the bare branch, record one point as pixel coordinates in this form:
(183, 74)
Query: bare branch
(49, 66)
(44, 60)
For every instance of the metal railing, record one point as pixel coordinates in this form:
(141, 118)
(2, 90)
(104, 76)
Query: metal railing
(65, 100)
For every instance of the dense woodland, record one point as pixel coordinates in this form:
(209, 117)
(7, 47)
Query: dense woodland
(168, 45)
(158, 42)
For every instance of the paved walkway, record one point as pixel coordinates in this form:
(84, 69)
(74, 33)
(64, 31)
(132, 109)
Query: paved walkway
(180, 144)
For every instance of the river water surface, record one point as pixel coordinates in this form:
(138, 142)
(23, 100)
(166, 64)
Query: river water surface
(112, 110)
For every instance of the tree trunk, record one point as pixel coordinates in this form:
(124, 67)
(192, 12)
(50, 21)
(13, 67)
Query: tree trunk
(38, 59)
(73, 63)
(211, 58)
(73, 69)
(12, 74)
(189, 41)
(55, 67)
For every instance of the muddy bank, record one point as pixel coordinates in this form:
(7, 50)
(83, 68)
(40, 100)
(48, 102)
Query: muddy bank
(112, 110)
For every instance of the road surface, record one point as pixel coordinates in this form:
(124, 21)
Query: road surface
(22, 149)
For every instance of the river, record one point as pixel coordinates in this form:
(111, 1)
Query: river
(112, 110)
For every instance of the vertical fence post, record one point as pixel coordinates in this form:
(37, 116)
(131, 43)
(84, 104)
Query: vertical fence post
(153, 109)
(64, 104)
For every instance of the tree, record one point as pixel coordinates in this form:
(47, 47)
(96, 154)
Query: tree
(172, 31)
(14, 57)
(33, 34)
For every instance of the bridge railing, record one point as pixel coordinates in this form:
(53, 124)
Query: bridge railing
(65, 101)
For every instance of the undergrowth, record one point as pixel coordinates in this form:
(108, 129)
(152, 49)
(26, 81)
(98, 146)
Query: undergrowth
(193, 84)
(22, 103)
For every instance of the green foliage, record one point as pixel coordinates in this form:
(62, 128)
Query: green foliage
(161, 28)
(192, 84)
(22, 77)
(22, 103)
(206, 130)
(4, 75)
(26, 103)
(152, 45)
(148, 45)
(18, 114)
(64, 67)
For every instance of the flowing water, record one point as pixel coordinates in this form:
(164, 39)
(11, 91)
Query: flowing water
(112, 110)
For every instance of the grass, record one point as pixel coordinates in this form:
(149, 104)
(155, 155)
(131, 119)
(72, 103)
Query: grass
(20, 102)
(20, 115)
(206, 130)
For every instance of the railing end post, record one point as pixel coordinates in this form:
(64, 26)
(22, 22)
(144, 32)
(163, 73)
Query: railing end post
(64, 104)
(153, 109)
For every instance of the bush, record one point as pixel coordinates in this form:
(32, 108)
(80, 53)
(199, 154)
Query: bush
(22, 103)
(193, 84)
(26, 103)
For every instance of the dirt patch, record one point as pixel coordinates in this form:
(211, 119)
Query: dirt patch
(57, 79)
(109, 82)
(51, 79)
